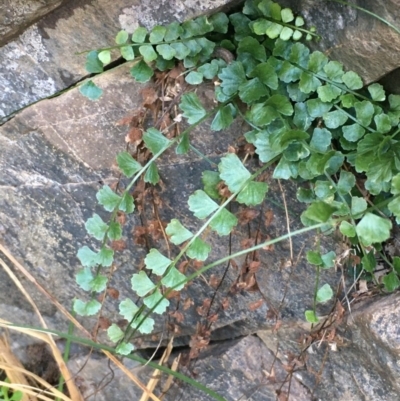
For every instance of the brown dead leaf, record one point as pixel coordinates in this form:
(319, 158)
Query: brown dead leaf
(246, 215)
(255, 305)
(214, 281)
(118, 245)
(203, 310)
(104, 323)
(269, 217)
(187, 303)
(225, 303)
(113, 292)
(149, 95)
(178, 316)
(134, 136)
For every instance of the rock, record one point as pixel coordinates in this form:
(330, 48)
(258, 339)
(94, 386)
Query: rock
(358, 40)
(55, 156)
(43, 60)
(359, 361)
(16, 16)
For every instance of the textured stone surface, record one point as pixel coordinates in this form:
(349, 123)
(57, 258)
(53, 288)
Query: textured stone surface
(361, 42)
(17, 15)
(44, 60)
(55, 156)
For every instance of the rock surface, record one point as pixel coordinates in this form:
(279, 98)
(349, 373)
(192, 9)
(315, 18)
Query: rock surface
(17, 15)
(43, 60)
(358, 40)
(56, 154)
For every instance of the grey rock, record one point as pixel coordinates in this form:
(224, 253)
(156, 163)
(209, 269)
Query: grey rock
(43, 60)
(17, 15)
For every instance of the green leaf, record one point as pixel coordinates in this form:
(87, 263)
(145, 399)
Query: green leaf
(281, 104)
(352, 80)
(348, 100)
(141, 284)
(96, 227)
(121, 38)
(105, 56)
(287, 15)
(364, 112)
(317, 108)
(148, 53)
(358, 205)
(305, 195)
(383, 123)
(299, 21)
(274, 30)
(220, 22)
(201, 204)
(391, 282)
(93, 64)
(144, 325)
(297, 35)
(155, 141)
(329, 259)
(324, 189)
(184, 145)
(252, 46)
(156, 298)
(317, 163)
(115, 333)
(396, 264)
(289, 73)
(328, 92)
(261, 115)
(317, 61)
(324, 294)
(152, 175)
(127, 204)
(115, 231)
(377, 92)
(124, 348)
(308, 82)
(335, 119)
(301, 118)
(224, 118)
(198, 250)
(194, 78)
(166, 51)
(209, 70)
(108, 198)
(373, 229)
(224, 222)
(86, 308)
(84, 279)
(394, 207)
(142, 72)
(105, 257)
(99, 283)
(157, 34)
(232, 171)
(253, 193)
(252, 90)
(353, 132)
(127, 53)
(210, 181)
(266, 74)
(156, 262)
(314, 258)
(321, 139)
(128, 309)
(346, 182)
(90, 90)
(192, 108)
(127, 164)
(232, 77)
(311, 317)
(347, 229)
(181, 51)
(286, 33)
(368, 262)
(319, 212)
(174, 277)
(139, 35)
(177, 232)
(334, 71)
(87, 257)
(174, 30)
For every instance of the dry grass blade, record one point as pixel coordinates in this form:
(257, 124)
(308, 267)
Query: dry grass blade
(11, 365)
(155, 378)
(73, 390)
(170, 379)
